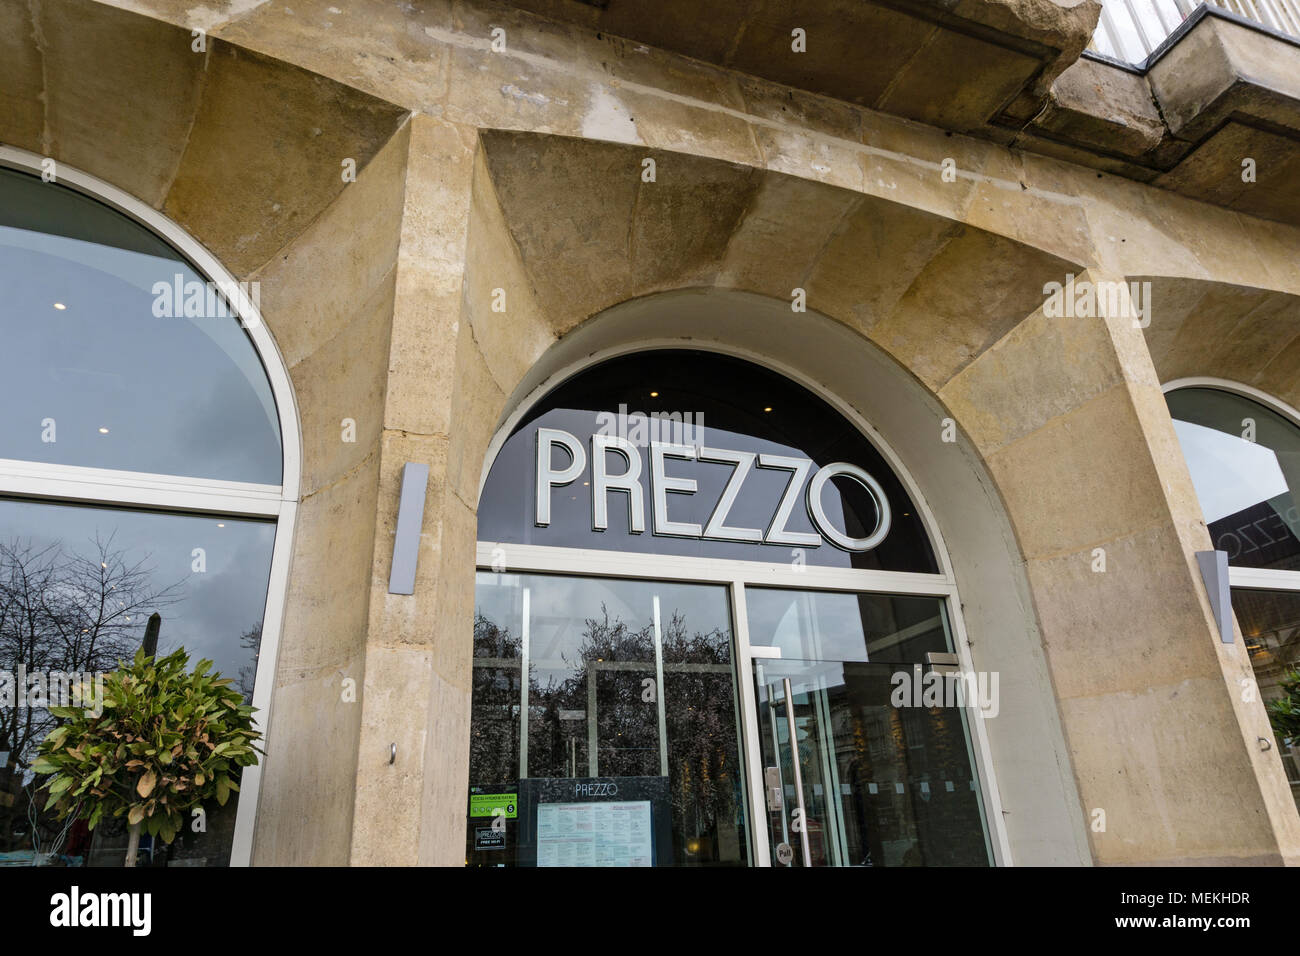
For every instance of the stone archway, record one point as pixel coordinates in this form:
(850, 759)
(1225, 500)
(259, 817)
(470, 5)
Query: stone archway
(1029, 754)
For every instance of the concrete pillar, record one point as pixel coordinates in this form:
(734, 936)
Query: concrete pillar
(1070, 419)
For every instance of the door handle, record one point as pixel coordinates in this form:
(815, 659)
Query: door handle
(798, 773)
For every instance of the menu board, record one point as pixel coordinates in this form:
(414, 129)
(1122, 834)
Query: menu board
(595, 834)
(589, 821)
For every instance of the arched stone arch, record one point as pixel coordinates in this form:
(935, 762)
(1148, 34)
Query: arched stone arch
(947, 480)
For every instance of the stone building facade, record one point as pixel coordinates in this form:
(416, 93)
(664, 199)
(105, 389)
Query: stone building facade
(448, 207)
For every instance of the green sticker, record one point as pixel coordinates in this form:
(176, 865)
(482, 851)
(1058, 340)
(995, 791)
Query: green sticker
(488, 804)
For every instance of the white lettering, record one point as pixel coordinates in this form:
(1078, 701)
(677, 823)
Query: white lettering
(602, 483)
(618, 435)
(661, 485)
(547, 476)
(717, 527)
(776, 531)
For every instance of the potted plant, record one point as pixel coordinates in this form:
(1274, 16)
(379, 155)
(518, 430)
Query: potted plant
(162, 741)
(1284, 713)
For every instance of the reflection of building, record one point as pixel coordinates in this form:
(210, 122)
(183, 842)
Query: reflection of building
(1257, 534)
(465, 228)
(1243, 450)
(1272, 634)
(1271, 629)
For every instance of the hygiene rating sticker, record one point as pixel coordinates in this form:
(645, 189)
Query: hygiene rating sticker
(492, 804)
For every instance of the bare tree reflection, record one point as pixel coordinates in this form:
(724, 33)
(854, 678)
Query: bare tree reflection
(250, 640)
(68, 611)
(613, 672)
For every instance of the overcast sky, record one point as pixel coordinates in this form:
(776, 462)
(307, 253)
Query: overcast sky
(215, 606)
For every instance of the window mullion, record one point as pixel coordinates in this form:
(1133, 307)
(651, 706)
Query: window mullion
(75, 484)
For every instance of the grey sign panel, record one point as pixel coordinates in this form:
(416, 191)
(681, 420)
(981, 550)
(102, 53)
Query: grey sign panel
(410, 518)
(1214, 569)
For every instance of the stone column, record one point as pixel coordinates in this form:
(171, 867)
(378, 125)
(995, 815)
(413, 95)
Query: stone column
(1069, 416)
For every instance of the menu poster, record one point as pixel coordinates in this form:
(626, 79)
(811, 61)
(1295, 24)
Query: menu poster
(595, 834)
(594, 821)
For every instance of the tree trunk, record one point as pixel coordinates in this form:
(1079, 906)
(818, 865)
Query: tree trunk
(132, 844)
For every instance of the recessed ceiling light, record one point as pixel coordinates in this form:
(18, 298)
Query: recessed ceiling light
(654, 394)
(221, 524)
(768, 408)
(103, 431)
(60, 306)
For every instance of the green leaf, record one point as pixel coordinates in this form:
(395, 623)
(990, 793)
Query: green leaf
(44, 765)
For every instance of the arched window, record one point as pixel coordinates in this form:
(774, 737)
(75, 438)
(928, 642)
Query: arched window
(711, 628)
(148, 473)
(1243, 451)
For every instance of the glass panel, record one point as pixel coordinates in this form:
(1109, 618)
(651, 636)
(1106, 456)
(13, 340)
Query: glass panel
(623, 748)
(1245, 463)
(1270, 623)
(836, 626)
(100, 368)
(77, 588)
(710, 404)
(886, 772)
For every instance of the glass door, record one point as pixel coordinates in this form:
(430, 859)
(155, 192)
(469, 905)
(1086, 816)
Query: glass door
(605, 724)
(608, 727)
(865, 751)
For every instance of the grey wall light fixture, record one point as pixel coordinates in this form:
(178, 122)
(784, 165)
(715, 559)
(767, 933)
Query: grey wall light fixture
(410, 518)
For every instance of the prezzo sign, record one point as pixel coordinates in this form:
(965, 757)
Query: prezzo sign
(806, 483)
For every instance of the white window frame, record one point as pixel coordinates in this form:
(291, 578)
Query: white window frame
(737, 575)
(1248, 579)
(1258, 579)
(69, 484)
